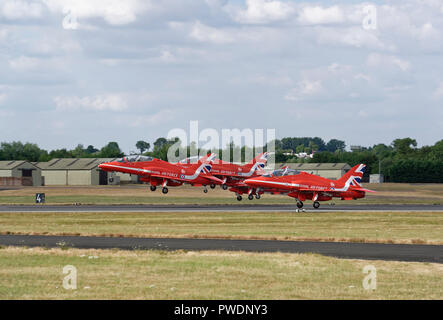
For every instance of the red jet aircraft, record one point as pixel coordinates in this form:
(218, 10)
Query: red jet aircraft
(158, 172)
(233, 174)
(304, 186)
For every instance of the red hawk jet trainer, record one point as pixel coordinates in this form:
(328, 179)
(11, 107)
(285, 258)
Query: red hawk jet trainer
(158, 172)
(233, 174)
(304, 186)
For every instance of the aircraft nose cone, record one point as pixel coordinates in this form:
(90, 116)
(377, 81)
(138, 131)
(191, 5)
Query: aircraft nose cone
(103, 166)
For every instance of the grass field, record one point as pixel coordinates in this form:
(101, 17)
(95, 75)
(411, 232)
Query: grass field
(388, 227)
(140, 194)
(36, 273)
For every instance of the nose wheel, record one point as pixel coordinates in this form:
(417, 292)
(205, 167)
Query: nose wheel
(165, 190)
(316, 204)
(153, 188)
(205, 190)
(257, 196)
(224, 187)
(239, 198)
(299, 204)
(212, 186)
(250, 197)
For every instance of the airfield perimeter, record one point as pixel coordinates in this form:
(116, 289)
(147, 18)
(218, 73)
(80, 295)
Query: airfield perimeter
(219, 209)
(399, 230)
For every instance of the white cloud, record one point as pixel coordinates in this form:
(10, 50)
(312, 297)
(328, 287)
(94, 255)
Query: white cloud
(111, 102)
(23, 63)
(163, 116)
(319, 15)
(20, 9)
(205, 33)
(2, 97)
(304, 88)
(263, 11)
(115, 12)
(438, 93)
(377, 60)
(349, 36)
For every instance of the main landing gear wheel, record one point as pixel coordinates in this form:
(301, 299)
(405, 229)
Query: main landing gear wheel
(299, 204)
(224, 187)
(205, 190)
(153, 188)
(165, 190)
(239, 198)
(316, 204)
(250, 197)
(257, 196)
(212, 186)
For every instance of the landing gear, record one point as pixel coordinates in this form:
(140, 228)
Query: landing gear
(299, 204)
(316, 204)
(165, 190)
(224, 187)
(153, 188)
(239, 198)
(257, 196)
(250, 197)
(212, 186)
(205, 190)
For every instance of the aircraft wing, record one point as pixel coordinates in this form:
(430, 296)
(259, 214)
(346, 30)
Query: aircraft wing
(161, 176)
(215, 179)
(363, 189)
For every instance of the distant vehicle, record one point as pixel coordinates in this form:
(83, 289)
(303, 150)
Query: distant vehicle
(304, 186)
(162, 173)
(234, 175)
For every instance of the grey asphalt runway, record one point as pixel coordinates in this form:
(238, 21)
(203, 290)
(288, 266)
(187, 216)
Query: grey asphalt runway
(215, 208)
(367, 251)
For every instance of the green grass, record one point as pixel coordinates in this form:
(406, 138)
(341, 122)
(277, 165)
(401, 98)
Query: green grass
(36, 273)
(83, 199)
(139, 194)
(401, 227)
(165, 200)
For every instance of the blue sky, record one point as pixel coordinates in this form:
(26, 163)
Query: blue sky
(81, 71)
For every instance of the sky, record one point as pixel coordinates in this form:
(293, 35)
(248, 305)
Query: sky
(89, 72)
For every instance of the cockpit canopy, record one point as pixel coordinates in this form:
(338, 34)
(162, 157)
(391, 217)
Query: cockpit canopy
(282, 172)
(189, 160)
(135, 158)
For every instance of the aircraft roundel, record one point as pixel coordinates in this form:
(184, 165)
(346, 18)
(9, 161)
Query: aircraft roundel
(182, 176)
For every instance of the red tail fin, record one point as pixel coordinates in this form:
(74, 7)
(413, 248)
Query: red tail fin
(353, 176)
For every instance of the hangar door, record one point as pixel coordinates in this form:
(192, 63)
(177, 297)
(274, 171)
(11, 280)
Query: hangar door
(103, 178)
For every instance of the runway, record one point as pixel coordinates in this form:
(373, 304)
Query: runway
(217, 208)
(366, 251)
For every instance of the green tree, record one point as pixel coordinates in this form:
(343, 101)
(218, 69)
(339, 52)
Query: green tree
(111, 150)
(143, 146)
(403, 146)
(335, 145)
(90, 150)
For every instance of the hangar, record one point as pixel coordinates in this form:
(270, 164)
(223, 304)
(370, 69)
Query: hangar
(19, 173)
(325, 170)
(80, 172)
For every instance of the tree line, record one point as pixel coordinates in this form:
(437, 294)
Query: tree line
(401, 161)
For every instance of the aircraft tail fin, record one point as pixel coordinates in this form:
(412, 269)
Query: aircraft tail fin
(353, 177)
(260, 160)
(204, 164)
